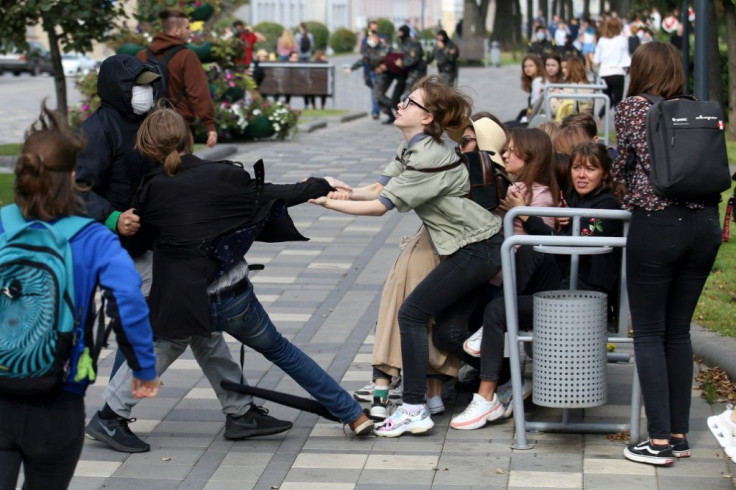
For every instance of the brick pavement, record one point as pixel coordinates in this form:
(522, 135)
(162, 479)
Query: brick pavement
(324, 295)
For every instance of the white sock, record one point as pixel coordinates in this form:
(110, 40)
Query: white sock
(412, 408)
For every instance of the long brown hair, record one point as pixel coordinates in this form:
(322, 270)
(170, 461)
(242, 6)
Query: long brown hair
(43, 172)
(526, 81)
(450, 108)
(575, 70)
(656, 69)
(163, 135)
(568, 138)
(534, 147)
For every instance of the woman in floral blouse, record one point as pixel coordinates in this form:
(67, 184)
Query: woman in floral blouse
(671, 247)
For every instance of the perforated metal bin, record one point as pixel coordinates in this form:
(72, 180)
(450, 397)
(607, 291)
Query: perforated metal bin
(569, 349)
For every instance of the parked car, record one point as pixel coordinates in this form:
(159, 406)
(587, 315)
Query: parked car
(35, 60)
(77, 64)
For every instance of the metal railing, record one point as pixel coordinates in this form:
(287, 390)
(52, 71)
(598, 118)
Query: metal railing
(595, 95)
(512, 318)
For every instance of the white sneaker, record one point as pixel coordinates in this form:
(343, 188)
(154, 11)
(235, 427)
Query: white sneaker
(725, 432)
(472, 345)
(435, 405)
(401, 421)
(505, 395)
(365, 394)
(478, 413)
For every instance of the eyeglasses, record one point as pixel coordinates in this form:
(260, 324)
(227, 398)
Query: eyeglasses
(466, 139)
(406, 100)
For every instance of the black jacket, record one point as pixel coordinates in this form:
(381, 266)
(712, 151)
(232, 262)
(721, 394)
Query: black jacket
(109, 165)
(186, 213)
(597, 272)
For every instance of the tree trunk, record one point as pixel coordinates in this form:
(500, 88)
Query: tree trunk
(715, 90)
(503, 23)
(530, 21)
(474, 18)
(555, 7)
(59, 79)
(586, 9)
(730, 14)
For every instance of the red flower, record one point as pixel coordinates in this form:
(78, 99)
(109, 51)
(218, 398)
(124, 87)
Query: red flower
(586, 231)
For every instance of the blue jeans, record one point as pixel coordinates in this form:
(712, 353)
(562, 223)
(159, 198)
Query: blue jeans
(374, 101)
(244, 318)
(449, 294)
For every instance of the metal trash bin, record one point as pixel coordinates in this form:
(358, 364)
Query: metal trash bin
(569, 349)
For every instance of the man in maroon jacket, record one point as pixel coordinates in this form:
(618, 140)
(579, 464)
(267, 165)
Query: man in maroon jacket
(187, 82)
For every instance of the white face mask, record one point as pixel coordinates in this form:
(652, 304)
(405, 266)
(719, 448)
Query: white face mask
(372, 43)
(142, 99)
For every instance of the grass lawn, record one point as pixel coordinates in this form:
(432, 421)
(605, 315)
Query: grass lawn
(6, 189)
(10, 149)
(317, 113)
(717, 305)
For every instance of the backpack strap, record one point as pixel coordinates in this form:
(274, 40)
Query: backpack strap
(435, 169)
(69, 226)
(652, 99)
(13, 220)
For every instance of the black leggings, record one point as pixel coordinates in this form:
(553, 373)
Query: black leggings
(614, 89)
(669, 256)
(535, 272)
(46, 434)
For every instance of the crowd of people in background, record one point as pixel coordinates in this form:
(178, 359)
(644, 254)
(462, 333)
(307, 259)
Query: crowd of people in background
(188, 223)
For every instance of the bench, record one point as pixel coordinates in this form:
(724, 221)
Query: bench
(283, 78)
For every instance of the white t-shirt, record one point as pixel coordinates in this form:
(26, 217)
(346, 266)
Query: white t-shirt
(612, 54)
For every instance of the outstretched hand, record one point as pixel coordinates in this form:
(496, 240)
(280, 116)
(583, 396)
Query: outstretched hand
(320, 201)
(338, 184)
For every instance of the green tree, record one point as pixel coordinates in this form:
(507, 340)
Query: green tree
(71, 25)
(343, 40)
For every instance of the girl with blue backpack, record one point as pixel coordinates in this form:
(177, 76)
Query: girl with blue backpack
(51, 263)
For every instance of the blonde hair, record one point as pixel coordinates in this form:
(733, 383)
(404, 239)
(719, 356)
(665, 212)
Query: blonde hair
(162, 137)
(287, 40)
(43, 187)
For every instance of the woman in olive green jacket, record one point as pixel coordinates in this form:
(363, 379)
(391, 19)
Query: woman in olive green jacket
(422, 178)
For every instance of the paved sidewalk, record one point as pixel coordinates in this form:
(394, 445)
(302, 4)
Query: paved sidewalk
(324, 295)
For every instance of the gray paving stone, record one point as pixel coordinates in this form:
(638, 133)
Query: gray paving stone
(606, 482)
(397, 477)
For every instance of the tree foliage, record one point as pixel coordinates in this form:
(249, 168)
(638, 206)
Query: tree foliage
(71, 25)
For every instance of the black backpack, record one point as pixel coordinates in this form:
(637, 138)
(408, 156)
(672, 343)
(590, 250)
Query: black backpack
(687, 143)
(488, 181)
(160, 66)
(305, 45)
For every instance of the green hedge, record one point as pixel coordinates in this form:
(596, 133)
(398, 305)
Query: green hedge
(343, 40)
(386, 28)
(272, 31)
(319, 32)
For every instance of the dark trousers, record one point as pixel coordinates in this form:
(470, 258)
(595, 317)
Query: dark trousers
(46, 434)
(535, 272)
(669, 256)
(614, 89)
(444, 294)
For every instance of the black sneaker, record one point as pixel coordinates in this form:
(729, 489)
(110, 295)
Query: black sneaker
(647, 452)
(680, 447)
(253, 423)
(116, 434)
(379, 409)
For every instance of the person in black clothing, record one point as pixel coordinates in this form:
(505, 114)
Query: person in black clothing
(412, 60)
(203, 217)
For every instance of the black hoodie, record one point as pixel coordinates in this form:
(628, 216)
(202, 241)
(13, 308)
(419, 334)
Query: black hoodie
(597, 272)
(110, 166)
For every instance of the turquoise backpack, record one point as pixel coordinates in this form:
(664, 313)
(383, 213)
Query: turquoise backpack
(37, 318)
